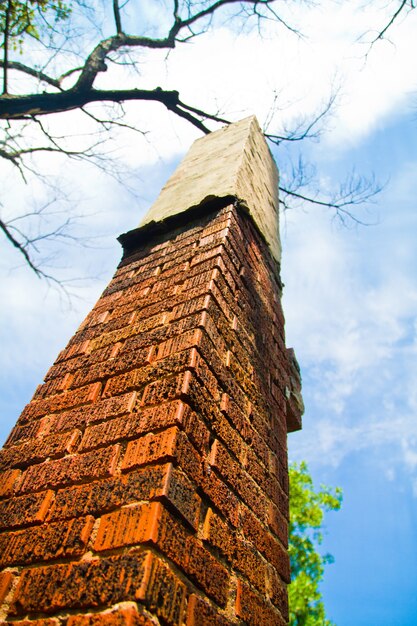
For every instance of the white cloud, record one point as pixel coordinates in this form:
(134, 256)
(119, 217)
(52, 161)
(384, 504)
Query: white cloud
(351, 308)
(334, 442)
(240, 74)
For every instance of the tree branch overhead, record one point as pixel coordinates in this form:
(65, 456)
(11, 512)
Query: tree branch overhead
(70, 62)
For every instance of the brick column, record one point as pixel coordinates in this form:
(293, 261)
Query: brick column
(146, 482)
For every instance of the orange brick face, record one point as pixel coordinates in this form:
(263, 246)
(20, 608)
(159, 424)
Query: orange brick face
(146, 482)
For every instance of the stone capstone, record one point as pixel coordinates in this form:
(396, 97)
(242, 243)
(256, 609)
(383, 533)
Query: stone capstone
(234, 161)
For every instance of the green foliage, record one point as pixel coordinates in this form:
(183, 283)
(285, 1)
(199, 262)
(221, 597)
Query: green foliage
(307, 508)
(29, 17)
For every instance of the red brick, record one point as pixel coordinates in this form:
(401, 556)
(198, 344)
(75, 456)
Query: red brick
(153, 523)
(216, 378)
(165, 594)
(242, 483)
(177, 344)
(261, 425)
(196, 430)
(46, 542)
(189, 459)
(174, 413)
(190, 306)
(166, 389)
(139, 423)
(122, 362)
(180, 493)
(202, 279)
(203, 267)
(22, 433)
(208, 380)
(234, 414)
(261, 475)
(53, 386)
(190, 556)
(243, 377)
(216, 327)
(111, 493)
(145, 321)
(230, 275)
(111, 431)
(247, 560)
(6, 580)
(130, 616)
(167, 334)
(176, 270)
(241, 423)
(222, 292)
(216, 237)
(278, 523)
(25, 510)
(73, 350)
(265, 542)
(157, 302)
(201, 613)
(129, 526)
(218, 534)
(95, 317)
(103, 409)
(229, 436)
(254, 609)
(37, 450)
(146, 279)
(70, 469)
(59, 402)
(138, 378)
(244, 352)
(150, 448)
(221, 496)
(83, 584)
(8, 482)
(197, 396)
(113, 337)
(277, 592)
(164, 286)
(226, 305)
(217, 225)
(211, 252)
(180, 254)
(169, 444)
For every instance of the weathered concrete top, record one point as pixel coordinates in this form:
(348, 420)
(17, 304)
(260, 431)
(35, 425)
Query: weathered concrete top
(233, 161)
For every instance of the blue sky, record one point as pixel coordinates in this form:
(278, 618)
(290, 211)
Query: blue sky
(350, 296)
(355, 336)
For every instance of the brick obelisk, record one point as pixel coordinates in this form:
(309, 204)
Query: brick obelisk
(146, 482)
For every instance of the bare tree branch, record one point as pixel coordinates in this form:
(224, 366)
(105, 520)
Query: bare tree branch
(304, 129)
(20, 107)
(73, 84)
(403, 6)
(30, 71)
(353, 192)
(20, 247)
(117, 19)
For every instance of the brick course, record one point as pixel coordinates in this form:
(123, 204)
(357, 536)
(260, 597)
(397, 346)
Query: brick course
(146, 482)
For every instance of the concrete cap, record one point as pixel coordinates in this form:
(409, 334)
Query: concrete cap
(233, 161)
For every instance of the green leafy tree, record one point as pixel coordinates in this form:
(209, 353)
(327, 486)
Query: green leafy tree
(307, 508)
(26, 18)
